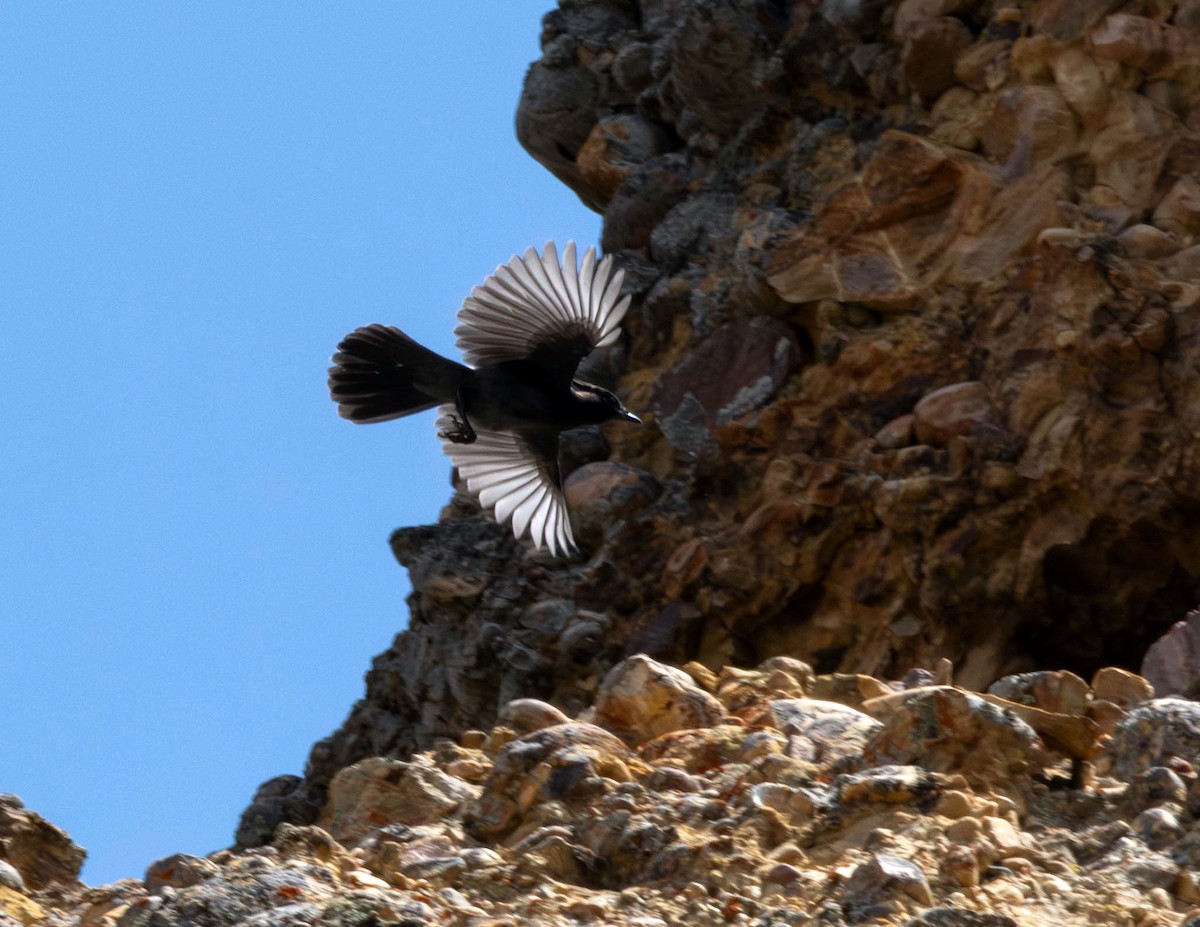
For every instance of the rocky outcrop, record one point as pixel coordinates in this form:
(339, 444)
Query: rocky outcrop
(41, 855)
(914, 336)
(767, 795)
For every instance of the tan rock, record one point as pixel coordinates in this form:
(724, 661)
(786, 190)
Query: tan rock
(641, 698)
(1121, 687)
(44, 855)
(21, 909)
(1178, 213)
(530, 714)
(379, 791)
(984, 66)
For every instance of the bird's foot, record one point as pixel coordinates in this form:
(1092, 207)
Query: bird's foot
(462, 433)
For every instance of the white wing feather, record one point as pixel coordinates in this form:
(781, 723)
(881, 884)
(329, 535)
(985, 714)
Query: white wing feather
(504, 474)
(534, 299)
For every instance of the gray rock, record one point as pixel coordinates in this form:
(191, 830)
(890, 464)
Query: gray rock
(829, 730)
(284, 799)
(1152, 733)
(872, 882)
(959, 917)
(1172, 663)
(10, 877)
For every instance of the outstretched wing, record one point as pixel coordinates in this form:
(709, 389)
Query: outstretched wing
(534, 304)
(515, 481)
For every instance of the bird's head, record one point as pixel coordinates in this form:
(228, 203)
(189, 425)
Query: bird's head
(607, 401)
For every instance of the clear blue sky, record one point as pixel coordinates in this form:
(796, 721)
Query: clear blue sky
(196, 201)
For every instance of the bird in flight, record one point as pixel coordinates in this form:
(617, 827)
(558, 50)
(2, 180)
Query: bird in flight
(524, 331)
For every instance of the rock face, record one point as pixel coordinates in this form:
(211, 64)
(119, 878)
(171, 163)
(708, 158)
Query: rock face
(914, 335)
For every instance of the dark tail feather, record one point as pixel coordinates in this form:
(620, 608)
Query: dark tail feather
(380, 373)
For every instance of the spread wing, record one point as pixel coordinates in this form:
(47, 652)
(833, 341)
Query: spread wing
(534, 304)
(515, 480)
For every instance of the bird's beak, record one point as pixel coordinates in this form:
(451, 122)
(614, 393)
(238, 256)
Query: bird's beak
(629, 416)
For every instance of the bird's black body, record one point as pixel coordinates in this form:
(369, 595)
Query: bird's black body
(501, 419)
(383, 374)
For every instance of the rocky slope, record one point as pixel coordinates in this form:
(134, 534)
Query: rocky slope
(765, 796)
(915, 339)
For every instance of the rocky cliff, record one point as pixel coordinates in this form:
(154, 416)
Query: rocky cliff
(915, 339)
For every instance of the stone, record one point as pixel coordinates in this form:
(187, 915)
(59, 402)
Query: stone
(1178, 212)
(944, 730)
(828, 730)
(871, 881)
(1058, 691)
(378, 791)
(279, 800)
(530, 714)
(600, 493)
(178, 871)
(1152, 733)
(640, 699)
(1171, 665)
(1132, 40)
(951, 411)
(565, 763)
(735, 371)
(960, 917)
(1122, 687)
(739, 689)
(615, 147)
(888, 784)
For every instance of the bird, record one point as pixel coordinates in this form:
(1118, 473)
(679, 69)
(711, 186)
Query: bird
(522, 333)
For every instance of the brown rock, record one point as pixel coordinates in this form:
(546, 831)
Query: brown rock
(984, 66)
(951, 411)
(1032, 122)
(178, 871)
(1052, 690)
(1131, 40)
(1122, 687)
(851, 689)
(1068, 19)
(734, 371)
(930, 53)
(1082, 84)
(777, 677)
(43, 854)
(1178, 213)
(827, 731)
(616, 145)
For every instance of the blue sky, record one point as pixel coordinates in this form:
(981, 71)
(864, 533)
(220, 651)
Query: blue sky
(196, 201)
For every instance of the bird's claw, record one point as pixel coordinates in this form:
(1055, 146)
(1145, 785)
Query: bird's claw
(462, 433)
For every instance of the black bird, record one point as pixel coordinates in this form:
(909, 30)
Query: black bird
(525, 329)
